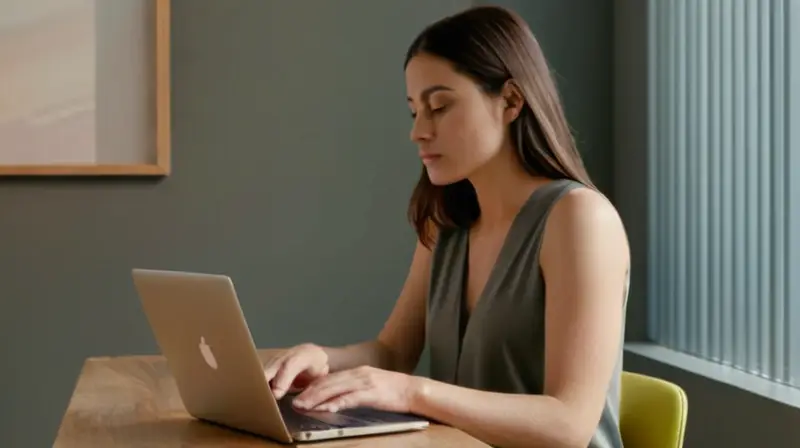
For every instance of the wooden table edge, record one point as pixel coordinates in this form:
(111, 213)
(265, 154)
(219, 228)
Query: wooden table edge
(464, 439)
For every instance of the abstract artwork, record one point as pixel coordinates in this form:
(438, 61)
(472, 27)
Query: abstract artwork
(84, 87)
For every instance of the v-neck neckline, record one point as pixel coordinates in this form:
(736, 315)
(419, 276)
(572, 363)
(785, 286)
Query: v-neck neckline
(465, 317)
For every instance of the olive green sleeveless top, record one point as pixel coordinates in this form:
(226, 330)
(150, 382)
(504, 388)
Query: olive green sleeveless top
(500, 347)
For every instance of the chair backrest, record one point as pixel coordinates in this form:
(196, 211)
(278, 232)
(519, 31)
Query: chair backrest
(652, 412)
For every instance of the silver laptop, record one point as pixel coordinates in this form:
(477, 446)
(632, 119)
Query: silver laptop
(199, 326)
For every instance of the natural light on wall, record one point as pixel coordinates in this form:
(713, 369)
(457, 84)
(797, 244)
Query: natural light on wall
(724, 182)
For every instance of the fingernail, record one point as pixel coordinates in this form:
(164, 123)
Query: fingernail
(300, 404)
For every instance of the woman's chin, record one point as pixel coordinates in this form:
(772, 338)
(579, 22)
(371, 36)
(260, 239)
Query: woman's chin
(440, 178)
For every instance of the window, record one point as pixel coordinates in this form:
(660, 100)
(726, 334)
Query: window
(724, 182)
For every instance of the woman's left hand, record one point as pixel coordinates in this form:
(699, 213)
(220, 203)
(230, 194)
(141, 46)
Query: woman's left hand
(363, 386)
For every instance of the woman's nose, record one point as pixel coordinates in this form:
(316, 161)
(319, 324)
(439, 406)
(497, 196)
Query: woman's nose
(422, 129)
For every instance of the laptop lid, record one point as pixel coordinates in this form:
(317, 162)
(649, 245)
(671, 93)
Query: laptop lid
(199, 326)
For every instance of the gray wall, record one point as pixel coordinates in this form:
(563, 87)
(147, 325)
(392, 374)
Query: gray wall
(292, 170)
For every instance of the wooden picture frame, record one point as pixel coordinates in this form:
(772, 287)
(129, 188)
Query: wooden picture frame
(98, 104)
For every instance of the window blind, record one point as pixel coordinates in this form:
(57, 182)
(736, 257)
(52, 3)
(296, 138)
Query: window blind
(724, 171)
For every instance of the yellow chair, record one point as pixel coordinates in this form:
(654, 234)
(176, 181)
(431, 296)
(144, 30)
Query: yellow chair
(652, 412)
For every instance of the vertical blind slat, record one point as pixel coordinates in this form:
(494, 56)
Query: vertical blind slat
(764, 255)
(715, 161)
(672, 166)
(726, 170)
(792, 168)
(753, 155)
(700, 212)
(689, 187)
(679, 192)
(738, 181)
(778, 273)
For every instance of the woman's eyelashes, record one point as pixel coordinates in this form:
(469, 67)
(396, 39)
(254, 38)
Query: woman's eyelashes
(438, 110)
(432, 111)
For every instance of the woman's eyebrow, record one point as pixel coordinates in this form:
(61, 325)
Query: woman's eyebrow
(430, 90)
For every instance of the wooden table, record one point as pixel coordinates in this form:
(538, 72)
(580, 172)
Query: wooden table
(132, 401)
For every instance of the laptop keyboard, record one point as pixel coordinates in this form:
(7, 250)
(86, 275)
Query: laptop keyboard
(311, 421)
(316, 421)
(374, 416)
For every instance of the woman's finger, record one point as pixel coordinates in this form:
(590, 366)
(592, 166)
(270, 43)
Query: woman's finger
(289, 370)
(273, 367)
(350, 400)
(326, 389)
(325, 381)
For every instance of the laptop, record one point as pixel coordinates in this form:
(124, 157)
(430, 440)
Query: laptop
(199, 326)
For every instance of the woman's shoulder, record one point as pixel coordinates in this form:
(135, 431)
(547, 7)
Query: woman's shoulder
(583, 203)
(581, 216)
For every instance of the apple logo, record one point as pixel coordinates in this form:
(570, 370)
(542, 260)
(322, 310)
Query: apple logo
(208, 355)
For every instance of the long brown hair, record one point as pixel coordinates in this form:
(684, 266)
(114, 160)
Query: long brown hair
(493, 45)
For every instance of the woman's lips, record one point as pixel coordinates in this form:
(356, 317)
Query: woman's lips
(428, 158)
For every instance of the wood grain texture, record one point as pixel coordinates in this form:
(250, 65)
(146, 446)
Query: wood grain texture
(133, 401)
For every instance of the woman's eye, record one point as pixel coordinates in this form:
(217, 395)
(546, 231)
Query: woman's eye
(430, 111)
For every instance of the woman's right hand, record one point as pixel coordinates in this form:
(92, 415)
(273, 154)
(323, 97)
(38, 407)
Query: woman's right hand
(296, 368)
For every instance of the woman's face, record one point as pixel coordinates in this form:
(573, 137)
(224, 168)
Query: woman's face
(457, 127)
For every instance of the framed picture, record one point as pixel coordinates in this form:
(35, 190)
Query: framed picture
(85, 88)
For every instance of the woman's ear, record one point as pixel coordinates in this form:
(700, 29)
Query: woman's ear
(513, 101)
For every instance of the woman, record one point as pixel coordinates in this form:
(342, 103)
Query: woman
(520, 275)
